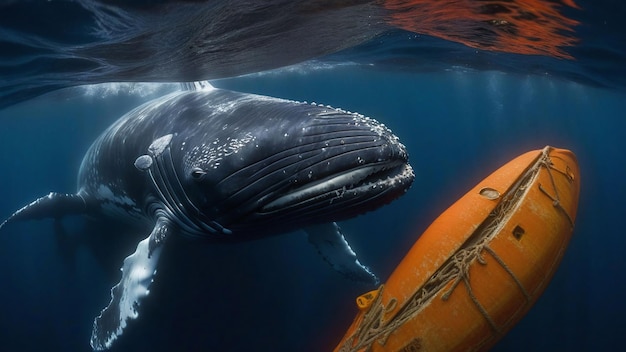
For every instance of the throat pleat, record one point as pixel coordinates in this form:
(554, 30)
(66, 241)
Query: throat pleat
(178, 206)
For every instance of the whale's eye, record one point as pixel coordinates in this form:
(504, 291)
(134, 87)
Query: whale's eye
(197, 173)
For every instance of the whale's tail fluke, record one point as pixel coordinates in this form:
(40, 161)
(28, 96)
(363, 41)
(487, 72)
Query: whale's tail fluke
(54, 205)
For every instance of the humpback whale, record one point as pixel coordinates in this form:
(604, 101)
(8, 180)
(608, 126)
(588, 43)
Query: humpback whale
(224, 166)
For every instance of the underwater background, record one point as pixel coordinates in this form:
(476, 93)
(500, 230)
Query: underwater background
(460, 120)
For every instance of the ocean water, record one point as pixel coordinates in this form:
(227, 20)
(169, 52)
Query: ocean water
(462, 112)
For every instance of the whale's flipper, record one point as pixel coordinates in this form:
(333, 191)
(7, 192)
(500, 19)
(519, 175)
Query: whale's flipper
(54, 205)
(137, 275)
(335, 250)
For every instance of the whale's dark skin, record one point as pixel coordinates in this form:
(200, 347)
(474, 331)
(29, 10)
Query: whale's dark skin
(225, 166)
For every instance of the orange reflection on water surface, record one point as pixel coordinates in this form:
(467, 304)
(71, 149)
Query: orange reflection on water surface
(531, 27)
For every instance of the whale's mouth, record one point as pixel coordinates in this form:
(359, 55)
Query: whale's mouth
(365, 182)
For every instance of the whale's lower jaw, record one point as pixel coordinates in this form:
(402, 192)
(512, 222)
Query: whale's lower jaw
(366, 183)
(335, 198)
(288, 205)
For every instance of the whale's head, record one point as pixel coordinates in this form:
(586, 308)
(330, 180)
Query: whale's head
(253, 165)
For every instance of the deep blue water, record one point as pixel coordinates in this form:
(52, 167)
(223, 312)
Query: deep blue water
(278, 294)
(459, 121)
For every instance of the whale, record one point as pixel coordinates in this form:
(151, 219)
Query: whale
(224, 166)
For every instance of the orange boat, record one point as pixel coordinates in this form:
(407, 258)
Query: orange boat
(480, 266)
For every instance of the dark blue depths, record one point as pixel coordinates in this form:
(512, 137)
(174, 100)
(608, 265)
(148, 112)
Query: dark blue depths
(277, 294)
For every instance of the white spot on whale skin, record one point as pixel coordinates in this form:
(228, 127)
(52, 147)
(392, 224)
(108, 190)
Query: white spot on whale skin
(211, 155)
(117, 206)
(158, 145)
(143, 162)
(105, 193)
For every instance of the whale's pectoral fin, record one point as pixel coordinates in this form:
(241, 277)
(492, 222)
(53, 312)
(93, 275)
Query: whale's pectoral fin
(335, 250)
(137, 275)
(54, 205)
